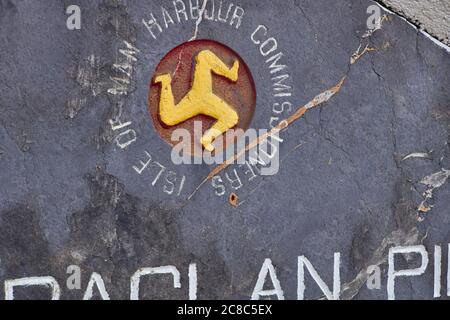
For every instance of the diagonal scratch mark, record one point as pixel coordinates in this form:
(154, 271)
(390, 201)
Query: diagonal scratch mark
(318, 100)
(315, 102)
(180, 55)
(199, 20)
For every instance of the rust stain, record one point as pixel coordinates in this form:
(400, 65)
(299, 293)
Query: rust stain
(423, 208)
(233, 199)
(358, 54)
(316, 101)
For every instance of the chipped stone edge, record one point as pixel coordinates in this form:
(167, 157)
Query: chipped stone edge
(429, 36)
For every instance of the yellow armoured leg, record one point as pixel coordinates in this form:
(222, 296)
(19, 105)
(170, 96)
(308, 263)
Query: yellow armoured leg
(226, 117)
(200, 99)
(208, 60)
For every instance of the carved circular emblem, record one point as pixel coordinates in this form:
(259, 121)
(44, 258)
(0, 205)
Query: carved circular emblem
(201, 84)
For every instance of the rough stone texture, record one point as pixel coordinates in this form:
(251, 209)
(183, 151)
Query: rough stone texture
(69, 194)
(431, 15)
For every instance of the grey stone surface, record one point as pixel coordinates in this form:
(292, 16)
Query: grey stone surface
(431, 15)
(69, 194)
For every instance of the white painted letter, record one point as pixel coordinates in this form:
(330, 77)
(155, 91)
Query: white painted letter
(437, 271)
(448, 271)
(96, 279)
(260, 27)
(392, 273)
(267, 267)
(303, 261)
(33, 281)
(136, 278)
(192, 281)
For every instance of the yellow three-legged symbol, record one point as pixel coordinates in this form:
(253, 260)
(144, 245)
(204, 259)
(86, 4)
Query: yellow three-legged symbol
(200, 99)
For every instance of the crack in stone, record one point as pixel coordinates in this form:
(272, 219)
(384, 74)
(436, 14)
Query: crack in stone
(393, 128)
(315, 102)
(348, 156)
(299, 6)
(199, 20)
(396, 238)
(419, 28)
(179, 62)
(24, 160)
(372, 64)
(358, 53)
(318, 100)
(406, 234)
(297, 3)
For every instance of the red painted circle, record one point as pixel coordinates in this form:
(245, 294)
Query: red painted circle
(180, 63)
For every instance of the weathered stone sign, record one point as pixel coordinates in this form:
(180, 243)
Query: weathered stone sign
(333, 183)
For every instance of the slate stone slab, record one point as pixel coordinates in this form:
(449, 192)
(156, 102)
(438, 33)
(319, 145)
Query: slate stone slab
(69, 194)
